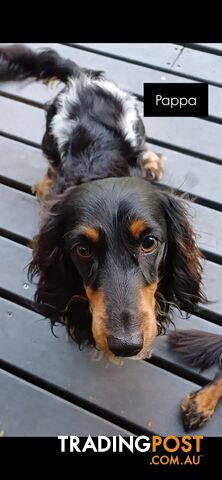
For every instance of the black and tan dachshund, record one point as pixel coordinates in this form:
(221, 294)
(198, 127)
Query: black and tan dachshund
(115, 253)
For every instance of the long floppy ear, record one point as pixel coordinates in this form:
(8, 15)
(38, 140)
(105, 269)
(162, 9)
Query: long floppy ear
(60, 293)
(180, 284)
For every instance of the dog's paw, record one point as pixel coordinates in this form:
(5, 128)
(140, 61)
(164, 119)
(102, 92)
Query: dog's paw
(197, 408)
(153, 165)
(43, 188)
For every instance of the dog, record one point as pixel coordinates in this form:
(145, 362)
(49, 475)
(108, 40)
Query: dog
(202, 350)
(115, 253)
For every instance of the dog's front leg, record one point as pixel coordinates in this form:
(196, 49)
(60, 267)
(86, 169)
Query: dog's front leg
(152, 164)
(198, 407)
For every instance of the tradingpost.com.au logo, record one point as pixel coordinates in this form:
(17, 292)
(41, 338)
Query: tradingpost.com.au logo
(170, 450)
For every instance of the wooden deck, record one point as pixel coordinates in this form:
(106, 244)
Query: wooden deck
(47, 386)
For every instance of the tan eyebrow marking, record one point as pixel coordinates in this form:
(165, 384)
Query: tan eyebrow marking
(137, 227)
(91, 233)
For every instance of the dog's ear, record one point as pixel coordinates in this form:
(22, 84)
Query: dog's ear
(180, 284)
(58, 279)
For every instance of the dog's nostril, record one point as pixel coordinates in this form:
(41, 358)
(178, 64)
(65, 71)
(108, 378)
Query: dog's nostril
(125, 347)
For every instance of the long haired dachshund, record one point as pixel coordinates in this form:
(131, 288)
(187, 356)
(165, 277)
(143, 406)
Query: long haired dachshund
(114, 253)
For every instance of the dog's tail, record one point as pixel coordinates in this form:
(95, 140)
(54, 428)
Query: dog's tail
(18, 62)
(200, 349)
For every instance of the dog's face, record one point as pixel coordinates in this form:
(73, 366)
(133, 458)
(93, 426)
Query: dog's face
(116, 238)
(130, 248)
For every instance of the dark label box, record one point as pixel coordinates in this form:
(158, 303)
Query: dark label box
(175, 100)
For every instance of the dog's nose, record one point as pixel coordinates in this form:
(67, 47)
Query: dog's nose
(125, 347)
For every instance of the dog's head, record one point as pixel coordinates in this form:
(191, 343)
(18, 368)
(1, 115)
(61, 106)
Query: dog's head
(129, 250)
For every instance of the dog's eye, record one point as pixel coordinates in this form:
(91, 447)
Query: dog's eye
(149, 244)
(83, 252)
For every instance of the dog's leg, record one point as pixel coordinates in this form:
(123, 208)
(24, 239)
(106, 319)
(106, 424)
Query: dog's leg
(43, 188)
(152, 164)
(198, 407)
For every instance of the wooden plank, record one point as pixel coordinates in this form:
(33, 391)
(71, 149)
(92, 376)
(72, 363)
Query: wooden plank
(160, 55)
(19, 212)
(207, 47)
(13, 268)
(13, 275)
(136, 391)
(212, 281)
(200, 136)
(192, 63)
(200, 65)
(21, 163)
(207, 224)
(196, 177)
(16, 205)
(128, 76)
(215, 102)
(29, 411)
(21, 120)
(163, 351)
(33, 92)
(193, 134)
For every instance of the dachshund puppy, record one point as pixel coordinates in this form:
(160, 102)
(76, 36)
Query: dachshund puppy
(114, 253)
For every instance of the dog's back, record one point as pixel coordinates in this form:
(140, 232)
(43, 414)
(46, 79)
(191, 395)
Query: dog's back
(93, 129)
